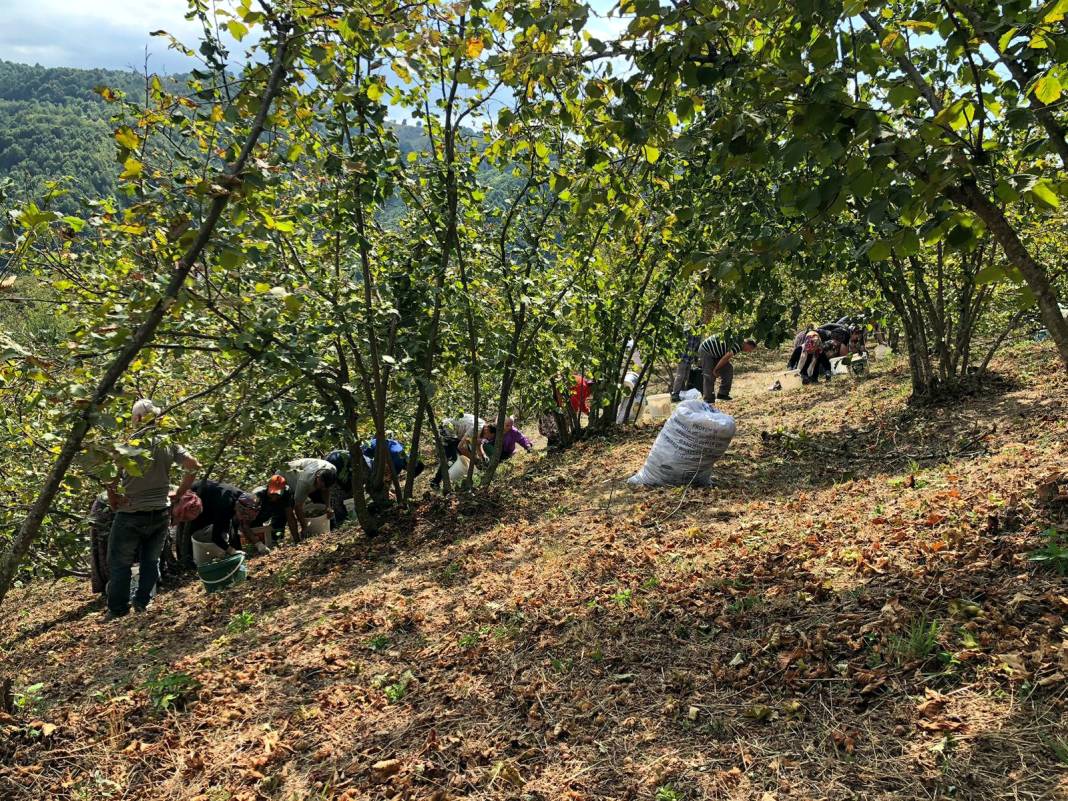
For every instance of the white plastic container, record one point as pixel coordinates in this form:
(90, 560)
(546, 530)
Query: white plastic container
(204, 552)
(630, 381)
(459, 469)
(690, 394)
(350, 506)
(318, 525)
(635, 408)
(658, 408)
(789, 379)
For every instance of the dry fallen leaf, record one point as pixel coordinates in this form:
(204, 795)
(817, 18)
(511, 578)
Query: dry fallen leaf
(507, 772)
(385, 768)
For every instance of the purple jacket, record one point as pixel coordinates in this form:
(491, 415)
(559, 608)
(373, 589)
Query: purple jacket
(511, 439)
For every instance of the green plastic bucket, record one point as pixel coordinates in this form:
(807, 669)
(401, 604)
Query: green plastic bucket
(224, 573)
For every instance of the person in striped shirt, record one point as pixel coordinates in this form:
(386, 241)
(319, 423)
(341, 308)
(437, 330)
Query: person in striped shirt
(715, 354)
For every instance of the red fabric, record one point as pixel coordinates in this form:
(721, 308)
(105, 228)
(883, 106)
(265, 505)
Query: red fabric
(580, 395)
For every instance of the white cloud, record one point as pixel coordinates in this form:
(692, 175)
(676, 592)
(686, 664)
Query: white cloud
(97, 33)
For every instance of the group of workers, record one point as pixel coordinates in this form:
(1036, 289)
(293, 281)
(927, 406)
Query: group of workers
(132, 519)
(817, 345)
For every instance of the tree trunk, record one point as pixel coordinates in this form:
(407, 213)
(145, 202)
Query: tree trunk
(971, 197)
(413, 451)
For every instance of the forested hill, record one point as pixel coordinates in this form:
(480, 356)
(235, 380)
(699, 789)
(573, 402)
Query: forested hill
(54, 125)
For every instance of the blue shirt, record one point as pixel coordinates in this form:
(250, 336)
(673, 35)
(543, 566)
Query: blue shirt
(397, 456)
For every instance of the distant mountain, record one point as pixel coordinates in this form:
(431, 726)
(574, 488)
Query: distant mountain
(54, 126)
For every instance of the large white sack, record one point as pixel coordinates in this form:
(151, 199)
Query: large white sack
(686, 448)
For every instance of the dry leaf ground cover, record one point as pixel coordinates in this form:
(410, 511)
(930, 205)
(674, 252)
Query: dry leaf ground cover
(850, 613)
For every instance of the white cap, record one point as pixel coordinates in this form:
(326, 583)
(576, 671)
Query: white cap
(143, 408)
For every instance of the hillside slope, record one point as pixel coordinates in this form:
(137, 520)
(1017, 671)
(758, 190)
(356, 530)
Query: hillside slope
(850, 613)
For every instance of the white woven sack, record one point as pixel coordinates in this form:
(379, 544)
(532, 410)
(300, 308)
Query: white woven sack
(692, 439)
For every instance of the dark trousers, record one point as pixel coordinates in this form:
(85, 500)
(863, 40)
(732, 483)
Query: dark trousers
(795, 358)
(814, 365)
(338, 495)
(682, 375)
(726, 377)
(133, 532)
(451, 446)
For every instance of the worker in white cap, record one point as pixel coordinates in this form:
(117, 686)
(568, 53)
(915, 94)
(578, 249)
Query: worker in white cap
(144, 408)
(142, 510)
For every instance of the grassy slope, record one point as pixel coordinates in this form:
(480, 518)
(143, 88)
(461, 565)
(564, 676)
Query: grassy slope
(839, 618)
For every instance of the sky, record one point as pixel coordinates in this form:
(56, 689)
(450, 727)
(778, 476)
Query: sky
(110, 34)
(113, 34)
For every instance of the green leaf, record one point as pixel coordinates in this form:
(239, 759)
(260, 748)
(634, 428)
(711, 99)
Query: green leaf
(908, 242)
(652, 154)
(823, 52)
(374, 91)
(894, 43)
(1041, 192)
(542, 150)
(1005, 192)
(920, 26)
(991, 274)
(879, 251)
(1057, 13)
(959, 236)
(1040, 41)
(1007, 37)
(1048, 89)
(901, 94)
(230, 258)
(237, 30)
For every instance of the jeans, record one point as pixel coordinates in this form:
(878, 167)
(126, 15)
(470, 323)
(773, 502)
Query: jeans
(132, 532)
(726, 377)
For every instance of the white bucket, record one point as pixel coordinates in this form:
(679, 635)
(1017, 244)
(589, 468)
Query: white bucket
(790, 379)
(630, 381)
(204, 552)
(459, 469)
(658, 407)
(840, 365)
(350, 506)
(318, 525)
